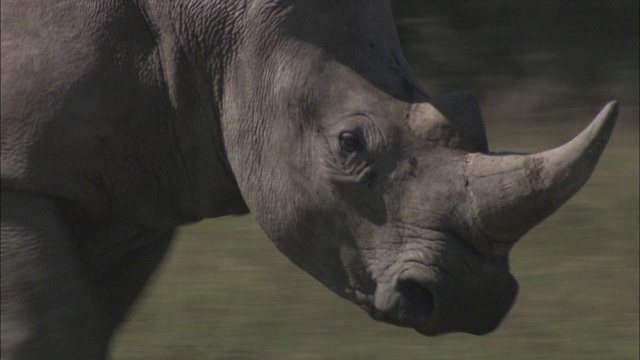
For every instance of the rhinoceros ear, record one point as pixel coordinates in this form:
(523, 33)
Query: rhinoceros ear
(453, 120)
(463, 112)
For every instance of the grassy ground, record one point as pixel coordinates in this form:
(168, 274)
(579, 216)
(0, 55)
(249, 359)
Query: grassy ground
(224, 292)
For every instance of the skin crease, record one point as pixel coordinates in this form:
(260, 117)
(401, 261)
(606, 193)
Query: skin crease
(123, 120)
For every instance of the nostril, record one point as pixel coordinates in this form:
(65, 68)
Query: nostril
(417, 301)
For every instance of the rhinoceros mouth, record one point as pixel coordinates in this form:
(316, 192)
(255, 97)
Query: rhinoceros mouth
(431, 299)
(414, 305)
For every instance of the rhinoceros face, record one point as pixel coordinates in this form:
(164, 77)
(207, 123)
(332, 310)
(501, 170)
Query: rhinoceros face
(387, 196)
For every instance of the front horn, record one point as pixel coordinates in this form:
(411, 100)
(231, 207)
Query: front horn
(511, 193)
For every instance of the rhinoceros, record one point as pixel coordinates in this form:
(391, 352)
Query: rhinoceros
(122, 120)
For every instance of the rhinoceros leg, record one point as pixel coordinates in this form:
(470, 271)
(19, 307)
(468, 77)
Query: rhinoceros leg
(57, 301)
(129, 272)
(50, 310)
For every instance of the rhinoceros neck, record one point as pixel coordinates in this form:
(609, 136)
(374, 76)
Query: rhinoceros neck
(195, 42)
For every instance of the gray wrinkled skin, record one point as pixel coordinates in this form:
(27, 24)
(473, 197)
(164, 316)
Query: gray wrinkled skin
(122, 120)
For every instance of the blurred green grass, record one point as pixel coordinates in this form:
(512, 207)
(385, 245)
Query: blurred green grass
(224, 292)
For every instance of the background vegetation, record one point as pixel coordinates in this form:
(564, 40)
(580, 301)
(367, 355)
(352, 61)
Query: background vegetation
(540, 69)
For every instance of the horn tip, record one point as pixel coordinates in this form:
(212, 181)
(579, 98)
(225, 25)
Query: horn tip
(611, 109)
(606, 119)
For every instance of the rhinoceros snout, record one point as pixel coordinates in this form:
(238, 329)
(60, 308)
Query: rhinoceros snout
(405, 303)
(434, 308)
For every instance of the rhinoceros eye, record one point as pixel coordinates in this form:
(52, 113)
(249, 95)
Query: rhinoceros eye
(350, 142)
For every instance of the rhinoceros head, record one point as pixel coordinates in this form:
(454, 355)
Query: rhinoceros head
(387, 196)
